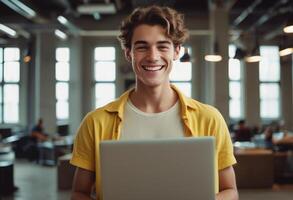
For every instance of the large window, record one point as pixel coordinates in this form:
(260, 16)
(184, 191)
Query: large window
(181, 74)
(269, 76)
(105, 75)
(62, 74)
(9, 88)
(235, 86)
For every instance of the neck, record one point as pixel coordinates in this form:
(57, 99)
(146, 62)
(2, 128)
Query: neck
(153, 99)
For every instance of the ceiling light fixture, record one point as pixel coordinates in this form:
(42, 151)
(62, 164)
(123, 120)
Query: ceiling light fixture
(215, 56)
(286, 51)
(108, 8)
(285, 48)
(239, 53)
(186, 56)
(8, 30)
(28, 52)
(60, 34)
(20, 7)
(252, 59)
(62, 20)
(254, 54)
(288, 29)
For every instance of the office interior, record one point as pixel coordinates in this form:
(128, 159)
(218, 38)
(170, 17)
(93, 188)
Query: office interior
(60, 60)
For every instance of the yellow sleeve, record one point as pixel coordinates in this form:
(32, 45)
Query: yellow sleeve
(83, 154)
(224, 146)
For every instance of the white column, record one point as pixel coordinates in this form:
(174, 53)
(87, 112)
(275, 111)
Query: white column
(219, 75)
(75, 87)
(251, 94)
(287, 91)
(45, 81)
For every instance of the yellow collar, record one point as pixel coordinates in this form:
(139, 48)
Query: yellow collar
(118, 105)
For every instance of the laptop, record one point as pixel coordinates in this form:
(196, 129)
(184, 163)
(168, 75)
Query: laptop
(159, 169)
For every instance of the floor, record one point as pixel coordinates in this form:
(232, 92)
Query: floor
(39, 182)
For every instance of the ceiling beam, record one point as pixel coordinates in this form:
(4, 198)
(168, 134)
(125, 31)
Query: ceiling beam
(246, 12)
(272, 12)
(24, 10)
(272, 34)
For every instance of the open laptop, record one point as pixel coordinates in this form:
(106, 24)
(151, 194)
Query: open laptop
(160, 169)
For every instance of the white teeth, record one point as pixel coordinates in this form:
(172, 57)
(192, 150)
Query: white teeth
(152, 68)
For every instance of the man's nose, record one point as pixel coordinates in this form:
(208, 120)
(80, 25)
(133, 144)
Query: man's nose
(153, 54)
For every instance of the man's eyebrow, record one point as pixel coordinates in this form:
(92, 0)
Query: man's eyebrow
(164, 42)
(142, 42)
(138, 42)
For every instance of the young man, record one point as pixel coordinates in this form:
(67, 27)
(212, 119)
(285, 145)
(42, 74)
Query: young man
(151, 38)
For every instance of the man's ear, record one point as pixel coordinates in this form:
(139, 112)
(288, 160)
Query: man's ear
(176, 52)
(127, 53)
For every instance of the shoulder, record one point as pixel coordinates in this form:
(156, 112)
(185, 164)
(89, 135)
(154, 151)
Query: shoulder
(110, 110)
(100, 114)
(203, 110)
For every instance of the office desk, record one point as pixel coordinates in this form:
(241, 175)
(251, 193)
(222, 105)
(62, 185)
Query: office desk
(49, 151)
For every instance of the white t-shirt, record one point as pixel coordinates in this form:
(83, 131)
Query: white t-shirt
(140, 125)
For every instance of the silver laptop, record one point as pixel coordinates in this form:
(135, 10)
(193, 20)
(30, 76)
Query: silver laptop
(162, 169)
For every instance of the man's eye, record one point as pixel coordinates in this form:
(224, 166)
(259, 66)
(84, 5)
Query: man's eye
(141, 48)
(163, 47)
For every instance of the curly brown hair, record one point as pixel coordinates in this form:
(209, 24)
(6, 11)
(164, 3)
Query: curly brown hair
(168, 18)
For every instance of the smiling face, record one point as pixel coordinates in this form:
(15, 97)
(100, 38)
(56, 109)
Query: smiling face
(151, 54)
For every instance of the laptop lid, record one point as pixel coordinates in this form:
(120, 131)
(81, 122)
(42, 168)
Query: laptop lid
(161, 169)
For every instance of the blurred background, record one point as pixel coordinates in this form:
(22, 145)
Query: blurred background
(60, 59)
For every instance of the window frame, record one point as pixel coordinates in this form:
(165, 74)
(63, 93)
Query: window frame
(67, 82)
(277, 82)
(110, 82)
(191, 71)
(240, 81)
(3, 83)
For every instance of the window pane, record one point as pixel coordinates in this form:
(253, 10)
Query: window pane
(269, 91)
(11, 113)
(105, 71)
(62, 54)
(234, 90)
(104, 53)
(269, 67)
(62, 71)
(234, 108)
(181, 71)
(232, 50)
(1, 70)
(11, 93)
(11, 71)
(234, 69)
(11, 99)
(62, 90)
(11, 54)
(269, 109)
(184, 87)
(1, 55)
(1, 120)
(62, 110)
(105, 92)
